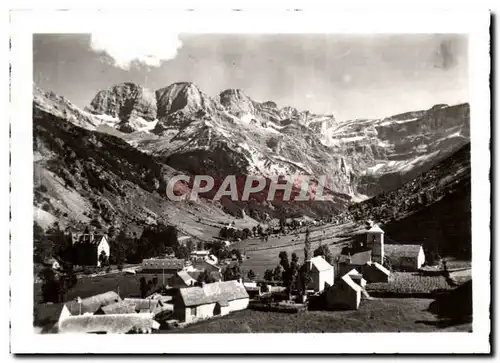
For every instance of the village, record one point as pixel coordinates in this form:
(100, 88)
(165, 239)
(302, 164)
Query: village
(206, 284)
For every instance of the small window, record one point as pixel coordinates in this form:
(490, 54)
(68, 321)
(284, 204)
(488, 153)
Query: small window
(193, 311)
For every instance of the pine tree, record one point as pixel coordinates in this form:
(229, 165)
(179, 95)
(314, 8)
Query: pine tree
(305, 273)
(307, 246)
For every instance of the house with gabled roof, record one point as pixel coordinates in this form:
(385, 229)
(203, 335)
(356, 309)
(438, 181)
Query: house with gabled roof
(353, 258)
(106, 323)
(91, 304)
(162, 265)
(181, 279)
(346, 294)
(145, 305)
(375, 272)
(209, 300)
(88, 247)
(121, 307)
(320, 272)
(405, 257)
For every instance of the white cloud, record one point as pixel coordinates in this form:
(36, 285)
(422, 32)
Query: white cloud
(346, 78)
(309, 95)
(127, 46)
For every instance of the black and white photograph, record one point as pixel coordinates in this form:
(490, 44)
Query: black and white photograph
(205, 182)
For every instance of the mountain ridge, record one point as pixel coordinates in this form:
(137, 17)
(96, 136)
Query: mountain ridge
(361, 157)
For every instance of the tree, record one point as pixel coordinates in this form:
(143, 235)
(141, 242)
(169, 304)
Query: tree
(50, 286)
(269, 274)
(307, 246)
(61, 244)
(251, 275)
(117, 249)
(43, 247)
(143, 287)
(305, 276)
(232, 273)
(283, 256)
(190, 246)
(111, 232)
(282, 224)
(238, 255)
(67, 280)
(205, 278)
(277, 273)
(103, 258)
(182, 252)
(324, 251)
(169, 251)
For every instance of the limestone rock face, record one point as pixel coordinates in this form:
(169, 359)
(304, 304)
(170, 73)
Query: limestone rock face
(131, 105)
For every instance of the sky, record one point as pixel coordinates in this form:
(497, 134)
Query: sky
(349, 76)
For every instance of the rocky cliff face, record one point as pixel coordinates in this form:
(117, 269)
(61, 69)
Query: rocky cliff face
(133, 107)
(398, 148)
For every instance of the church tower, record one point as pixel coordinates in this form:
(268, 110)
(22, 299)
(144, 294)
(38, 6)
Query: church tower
(375, 241)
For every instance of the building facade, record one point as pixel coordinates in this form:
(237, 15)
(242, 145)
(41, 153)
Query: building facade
(375, 242)
(215, 299)
(88, 249)
(405, 257)
(345, 295)
(321, 273)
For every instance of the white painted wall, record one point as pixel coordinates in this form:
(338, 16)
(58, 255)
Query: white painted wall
(207, 310)
(326, 277)
(202, 312)
(421, 258)
(239, 304)
(376, 246)
(318, 279)
(103, 246)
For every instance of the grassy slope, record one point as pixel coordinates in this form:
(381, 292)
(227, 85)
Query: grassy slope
(82, 175)
(387, 315)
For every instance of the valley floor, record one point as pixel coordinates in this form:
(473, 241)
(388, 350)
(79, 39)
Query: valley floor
(264, 255)
(380, 315)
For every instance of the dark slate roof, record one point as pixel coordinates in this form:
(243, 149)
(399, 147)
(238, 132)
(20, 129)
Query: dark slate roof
(121, 307)
(401, 251)
(221, 292)
(187, 278)
(163, 263)
(358, 257)
(86, 239)
(93, 303)
(205, 266)
(143, 305)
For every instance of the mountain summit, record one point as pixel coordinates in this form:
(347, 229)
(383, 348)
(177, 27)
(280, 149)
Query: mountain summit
(132, 106)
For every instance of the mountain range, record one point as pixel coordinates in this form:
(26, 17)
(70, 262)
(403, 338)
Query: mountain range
(118, 152)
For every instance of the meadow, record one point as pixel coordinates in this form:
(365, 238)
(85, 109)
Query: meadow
(379, 315)
(409, 284)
